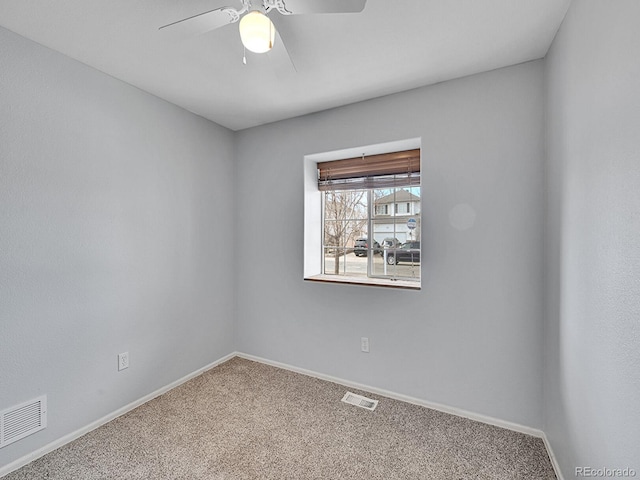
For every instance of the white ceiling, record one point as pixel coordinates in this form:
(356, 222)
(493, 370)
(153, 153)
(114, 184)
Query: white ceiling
(393, 45)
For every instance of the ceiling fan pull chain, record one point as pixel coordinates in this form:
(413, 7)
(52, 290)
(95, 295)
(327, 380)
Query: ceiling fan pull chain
(244, 55)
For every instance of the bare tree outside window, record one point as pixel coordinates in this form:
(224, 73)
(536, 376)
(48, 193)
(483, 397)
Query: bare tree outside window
(345, 213)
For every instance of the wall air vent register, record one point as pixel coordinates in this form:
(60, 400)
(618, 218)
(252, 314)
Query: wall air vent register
(22, 420)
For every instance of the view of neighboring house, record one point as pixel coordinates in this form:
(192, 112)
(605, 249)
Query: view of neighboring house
(392, 213)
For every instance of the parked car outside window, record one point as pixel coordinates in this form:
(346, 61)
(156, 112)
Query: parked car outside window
(408, 252)
(361, 247)
(390, 242)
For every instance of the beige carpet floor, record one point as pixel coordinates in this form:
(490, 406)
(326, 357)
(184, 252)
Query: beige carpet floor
(246, 420)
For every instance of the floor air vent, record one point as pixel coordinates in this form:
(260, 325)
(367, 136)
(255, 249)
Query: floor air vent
(360, 401)
(22, 420)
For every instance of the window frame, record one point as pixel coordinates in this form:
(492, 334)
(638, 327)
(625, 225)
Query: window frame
(313, 218)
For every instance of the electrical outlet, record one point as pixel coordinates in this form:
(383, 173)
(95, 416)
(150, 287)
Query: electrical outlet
(123, 361)
(364, 344)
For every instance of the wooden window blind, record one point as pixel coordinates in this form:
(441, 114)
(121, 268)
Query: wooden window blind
(397, 169)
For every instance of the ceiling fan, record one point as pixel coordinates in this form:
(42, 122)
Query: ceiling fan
(257, 31)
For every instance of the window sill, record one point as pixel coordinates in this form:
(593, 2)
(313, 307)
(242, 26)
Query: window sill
(370, 282)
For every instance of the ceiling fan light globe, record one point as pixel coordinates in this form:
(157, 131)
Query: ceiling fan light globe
(257, 32)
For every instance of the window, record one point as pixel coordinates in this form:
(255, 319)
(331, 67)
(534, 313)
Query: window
(382, 209)
(362, 238)
(403, 208)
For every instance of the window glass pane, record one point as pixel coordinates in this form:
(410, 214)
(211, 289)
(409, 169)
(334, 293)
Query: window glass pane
(334, 261)
(415, 199)
(403, 262)
(345, 204)
(343, 261)
(354, 266)
(380, 268)
(352, 230)
(331, 202)
(333, 233)
(392, 246)
(413, 234)
(346, 220)
(383, 201)
(344, 233)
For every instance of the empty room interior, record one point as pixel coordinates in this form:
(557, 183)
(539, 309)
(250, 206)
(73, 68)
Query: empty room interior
(313, 239)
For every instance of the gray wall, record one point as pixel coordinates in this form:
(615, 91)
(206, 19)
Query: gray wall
(472, 337)
(592, 335)
(111, 201)
(111, 204)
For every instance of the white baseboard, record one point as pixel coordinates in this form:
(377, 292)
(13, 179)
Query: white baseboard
(552, 456)
(21, 462)
(404, 398)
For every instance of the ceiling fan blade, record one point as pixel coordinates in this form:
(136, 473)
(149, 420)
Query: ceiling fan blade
(279, 58)
(297, 7)
(203, 22)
